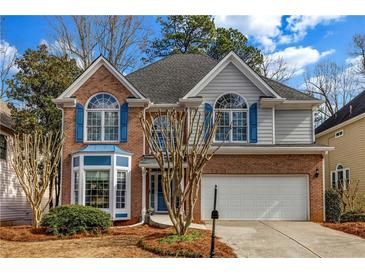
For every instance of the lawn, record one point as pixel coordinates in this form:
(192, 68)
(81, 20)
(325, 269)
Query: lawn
(356, 228)
(117, 242)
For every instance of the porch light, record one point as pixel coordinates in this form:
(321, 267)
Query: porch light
(317, 173)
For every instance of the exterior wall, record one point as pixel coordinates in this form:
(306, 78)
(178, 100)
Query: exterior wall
(349, 152)
(103, 80)
(230, 79)
(293, 126)
(273, 164)
(14, 207)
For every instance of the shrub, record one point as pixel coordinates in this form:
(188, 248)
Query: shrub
(353, 216)
(333, 206)
(71, 219)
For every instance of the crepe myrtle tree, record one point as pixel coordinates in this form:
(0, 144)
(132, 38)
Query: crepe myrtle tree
(181, 142)
(35, 159)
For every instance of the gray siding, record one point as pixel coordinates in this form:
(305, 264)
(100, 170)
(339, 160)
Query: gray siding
(230, 79)
(13, 203)
(293, 126)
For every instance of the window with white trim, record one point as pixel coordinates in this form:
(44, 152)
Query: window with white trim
(3, 147)
(340, 178)
(76, 187)
(162, 130)
(102, 118)
(121, 189)
(232, 125)
(339, 133)
(97, 189)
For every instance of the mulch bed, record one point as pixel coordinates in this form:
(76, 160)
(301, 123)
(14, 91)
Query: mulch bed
(356, 228)
(197, 248)
(147, 238)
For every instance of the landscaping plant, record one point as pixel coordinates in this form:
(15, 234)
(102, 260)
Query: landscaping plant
(333, 206)
(71, 219)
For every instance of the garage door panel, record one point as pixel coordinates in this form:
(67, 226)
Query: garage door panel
(256, 197)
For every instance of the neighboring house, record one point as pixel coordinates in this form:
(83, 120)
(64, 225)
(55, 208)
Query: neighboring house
(14, 208)
(345, 131)
(269, 169)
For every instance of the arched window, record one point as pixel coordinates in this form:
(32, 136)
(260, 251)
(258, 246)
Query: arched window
(102, 118)
(233, 109)
(340, 178)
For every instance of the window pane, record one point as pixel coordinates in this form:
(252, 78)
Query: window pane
(97, 189)
(223, 127)
(111, 126)
(239, 126)
(103, 101)
(121, 190)
(94, 126)
(76, 188)
(333, 174)
(2, 147)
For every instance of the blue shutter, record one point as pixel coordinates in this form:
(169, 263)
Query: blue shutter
(79, 123)
(124, 122)
(253, 123)
(208, 119)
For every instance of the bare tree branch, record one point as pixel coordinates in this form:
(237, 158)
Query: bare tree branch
(181, 142)
(35, 159)
(276, 68)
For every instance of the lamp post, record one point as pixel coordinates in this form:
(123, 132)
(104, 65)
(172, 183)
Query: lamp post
(214, 216)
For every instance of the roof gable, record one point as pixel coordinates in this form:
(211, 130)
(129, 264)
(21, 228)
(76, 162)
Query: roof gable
(232, 58)
(99, 62)
(351, 110)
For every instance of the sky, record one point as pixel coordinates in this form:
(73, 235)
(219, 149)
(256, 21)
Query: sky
(302, 41)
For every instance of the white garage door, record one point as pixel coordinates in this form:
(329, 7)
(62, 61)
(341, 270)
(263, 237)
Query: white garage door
(256, 197)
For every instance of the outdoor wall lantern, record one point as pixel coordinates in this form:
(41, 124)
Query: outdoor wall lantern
(317, 173)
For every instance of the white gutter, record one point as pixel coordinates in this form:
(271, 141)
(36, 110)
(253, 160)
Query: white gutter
(66, 102)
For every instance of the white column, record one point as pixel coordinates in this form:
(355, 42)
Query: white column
(143, 212)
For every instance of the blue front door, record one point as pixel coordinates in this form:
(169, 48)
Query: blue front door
(161, 206)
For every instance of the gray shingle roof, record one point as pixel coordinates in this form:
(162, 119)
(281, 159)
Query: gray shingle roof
(171, 78)
(352, 109)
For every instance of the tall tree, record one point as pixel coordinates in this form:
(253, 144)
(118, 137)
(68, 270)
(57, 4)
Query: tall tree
(179, 151)
(334, 84)
(276, 68)
(182, 34)
(358, 51)
(121, 39)
(41, 78)
(7, 61)
(230, 39)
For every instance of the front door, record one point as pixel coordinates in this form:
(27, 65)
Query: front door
(161, 205)
(157, 199)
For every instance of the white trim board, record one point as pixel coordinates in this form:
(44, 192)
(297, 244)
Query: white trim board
(242, 66)
(100, 61)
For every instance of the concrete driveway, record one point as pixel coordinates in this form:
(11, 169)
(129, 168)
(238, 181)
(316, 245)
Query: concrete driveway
(279, 239)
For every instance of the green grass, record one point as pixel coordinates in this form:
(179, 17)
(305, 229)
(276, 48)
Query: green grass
(194, 235)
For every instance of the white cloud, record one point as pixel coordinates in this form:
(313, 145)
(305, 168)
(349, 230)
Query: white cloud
(271, 30)
(262, 28)
(300, 57)
(298, 25)
(7, 56)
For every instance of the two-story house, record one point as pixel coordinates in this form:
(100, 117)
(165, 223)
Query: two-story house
(269, 168)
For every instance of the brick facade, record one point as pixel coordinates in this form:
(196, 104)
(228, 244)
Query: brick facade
(273, 164)
(103, 80)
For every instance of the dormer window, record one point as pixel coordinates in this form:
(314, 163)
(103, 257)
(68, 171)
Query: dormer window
(233, 109)
(102, 119)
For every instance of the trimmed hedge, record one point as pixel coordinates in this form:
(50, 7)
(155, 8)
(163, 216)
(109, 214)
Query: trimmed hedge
(71, 219)
(353, 217)
(333, 206)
